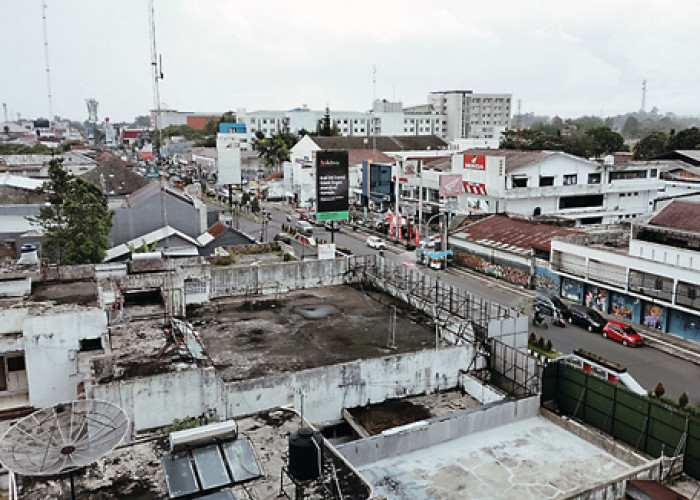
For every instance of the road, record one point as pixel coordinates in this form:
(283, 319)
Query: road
(647, 365)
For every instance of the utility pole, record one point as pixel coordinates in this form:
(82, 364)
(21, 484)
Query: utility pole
(644, 95)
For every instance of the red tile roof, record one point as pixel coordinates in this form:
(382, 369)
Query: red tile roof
(520, 233)
(683, 215)
(275, 175)
(217, 229)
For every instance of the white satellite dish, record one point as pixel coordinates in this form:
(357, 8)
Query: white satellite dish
(63, 437)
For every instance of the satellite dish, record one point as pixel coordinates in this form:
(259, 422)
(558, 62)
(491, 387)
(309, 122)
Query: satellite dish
(63, 437)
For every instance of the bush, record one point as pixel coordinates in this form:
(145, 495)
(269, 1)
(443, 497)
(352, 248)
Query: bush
(683, 400)
(659, 390)
(532, 339)
(540, 342)
(548, 347)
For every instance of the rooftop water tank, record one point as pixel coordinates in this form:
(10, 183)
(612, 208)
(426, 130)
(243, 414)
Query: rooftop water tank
(305, 454)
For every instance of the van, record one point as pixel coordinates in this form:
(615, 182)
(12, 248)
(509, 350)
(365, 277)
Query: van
(548, 304)
(305, 227)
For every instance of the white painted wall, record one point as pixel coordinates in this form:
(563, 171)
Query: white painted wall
(51, 343)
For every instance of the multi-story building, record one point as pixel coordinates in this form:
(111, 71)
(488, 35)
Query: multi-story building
(470, 115)
(648, 275)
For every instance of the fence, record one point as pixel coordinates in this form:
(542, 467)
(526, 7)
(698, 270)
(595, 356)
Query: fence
(644, 423)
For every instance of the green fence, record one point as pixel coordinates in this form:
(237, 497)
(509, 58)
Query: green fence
(644, 423)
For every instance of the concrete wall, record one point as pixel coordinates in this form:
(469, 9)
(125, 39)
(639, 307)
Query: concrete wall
(437, 430)
(323, 392)
(51, 343)
(16, 288)
(484, 394)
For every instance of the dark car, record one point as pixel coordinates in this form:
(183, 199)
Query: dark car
(549, 304)
(283, 237)
(586, 317)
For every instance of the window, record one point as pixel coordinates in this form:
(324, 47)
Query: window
(569, 179)
(691, 293)
(16, 363)
(519, 182)
(91, 344)
(593, 178)
(658, 284)
(546, 180)
(653, 173)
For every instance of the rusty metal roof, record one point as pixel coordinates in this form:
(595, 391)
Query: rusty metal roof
(679, 215)
(516, 235)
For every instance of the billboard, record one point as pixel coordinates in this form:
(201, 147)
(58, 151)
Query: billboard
(376, 182)
(450, 184)
(229, 160)
(482, 175)
(475, 162)
(332, 185)
(151, 171)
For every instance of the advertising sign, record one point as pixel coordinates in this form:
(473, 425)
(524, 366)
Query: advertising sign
(332, 185)
(151, 171)
(450, 184)
(326, 251)
(475, 162)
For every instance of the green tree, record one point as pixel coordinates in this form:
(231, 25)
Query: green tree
(632, 129)
(77, 220)
(685, 139)
(326, 127)
(651, 145)
(274, 149)
(141, 121)
(228, 117)
(606, 141)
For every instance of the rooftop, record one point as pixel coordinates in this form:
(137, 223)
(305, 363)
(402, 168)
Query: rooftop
(382, 143)
(684, 215)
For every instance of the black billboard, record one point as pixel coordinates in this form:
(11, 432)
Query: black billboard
(332, 185)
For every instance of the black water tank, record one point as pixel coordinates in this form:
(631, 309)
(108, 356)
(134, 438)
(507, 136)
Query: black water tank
(304, 459)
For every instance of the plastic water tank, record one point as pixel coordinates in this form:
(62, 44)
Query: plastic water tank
(305, 454)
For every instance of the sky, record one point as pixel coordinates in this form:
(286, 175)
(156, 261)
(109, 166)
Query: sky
(557, 58)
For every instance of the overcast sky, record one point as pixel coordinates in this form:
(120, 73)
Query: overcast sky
(558, 57)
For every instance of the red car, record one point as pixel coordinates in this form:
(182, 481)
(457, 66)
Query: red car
(622, 333)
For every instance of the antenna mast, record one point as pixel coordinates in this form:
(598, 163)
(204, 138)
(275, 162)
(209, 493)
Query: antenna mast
(46, 56)
(644, 95)
(157, 73)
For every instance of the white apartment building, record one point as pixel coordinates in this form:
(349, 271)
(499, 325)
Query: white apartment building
(470, 115)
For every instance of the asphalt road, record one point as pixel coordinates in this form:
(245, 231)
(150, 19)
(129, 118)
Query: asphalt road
(647, 365)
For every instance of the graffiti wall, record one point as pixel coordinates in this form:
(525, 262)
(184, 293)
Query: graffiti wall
(571, 290)
(622, 306)
(507, 273)
(546, 280)
(654, 316)
(597, 298)
(684, 325)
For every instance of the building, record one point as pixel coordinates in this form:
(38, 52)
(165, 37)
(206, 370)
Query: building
(37, 166)
(647, 275)
(470, 115)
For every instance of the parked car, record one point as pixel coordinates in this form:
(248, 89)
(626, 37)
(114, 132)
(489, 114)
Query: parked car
(283, 237)
(622, 333)
(376, 242)
(549, 305)
(586, 317)
(305, 227)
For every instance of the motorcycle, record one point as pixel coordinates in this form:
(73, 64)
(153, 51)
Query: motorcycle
(558, 320)
(538, 319)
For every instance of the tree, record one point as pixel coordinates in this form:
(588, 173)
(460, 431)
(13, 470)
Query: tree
(274, 149)
(606, 140)
(685, 139)
(77, 221)
(659, 390)
(326, 127)
(651, 145)
(683, 400)
(228, 117)
(632, 129)
(141, 121)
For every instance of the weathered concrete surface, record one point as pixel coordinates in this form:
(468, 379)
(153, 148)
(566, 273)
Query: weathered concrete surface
(530, 458)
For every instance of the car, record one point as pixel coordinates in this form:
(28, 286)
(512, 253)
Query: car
(332, 226)
(549, 304)
(376, 242)
(587, 317)
(283, 237)
(622, 333)
(305, 227)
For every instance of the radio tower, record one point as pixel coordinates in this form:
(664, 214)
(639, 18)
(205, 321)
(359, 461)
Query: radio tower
(644, 95)
(46, 56)
(157, 73)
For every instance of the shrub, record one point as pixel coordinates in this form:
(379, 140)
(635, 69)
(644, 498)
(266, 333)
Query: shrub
(659, 390)
(540, 342)
(532, 339)
(548, 347)
(683, 400)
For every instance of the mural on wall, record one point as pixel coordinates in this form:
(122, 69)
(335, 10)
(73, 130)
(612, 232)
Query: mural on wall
(502, 272)
(546, 280)
(571, 290)
(654, 316)
(683, 324)
(621, 306)
(597, 298)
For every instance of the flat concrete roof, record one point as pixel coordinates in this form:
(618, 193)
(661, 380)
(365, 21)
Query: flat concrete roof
(531, 458)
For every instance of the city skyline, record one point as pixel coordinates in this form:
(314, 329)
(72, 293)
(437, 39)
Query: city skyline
(220, 56)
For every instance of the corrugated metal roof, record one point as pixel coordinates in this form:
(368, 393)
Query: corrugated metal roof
(356, 156)
(515, 235)
(679, 215)
(515, 159)
(382, 143)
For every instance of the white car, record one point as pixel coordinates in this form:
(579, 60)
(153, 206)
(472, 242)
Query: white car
(376, 242)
